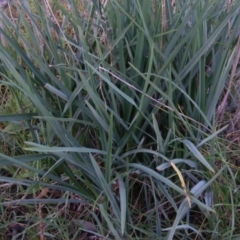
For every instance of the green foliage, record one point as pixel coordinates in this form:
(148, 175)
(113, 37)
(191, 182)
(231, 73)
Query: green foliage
(123, 101)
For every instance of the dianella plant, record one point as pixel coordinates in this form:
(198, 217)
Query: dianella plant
(119, 109)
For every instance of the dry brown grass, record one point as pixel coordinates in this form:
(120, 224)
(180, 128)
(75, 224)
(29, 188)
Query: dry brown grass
(52, 9)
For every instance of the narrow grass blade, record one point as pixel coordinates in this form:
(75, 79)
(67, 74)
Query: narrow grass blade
(197, 154)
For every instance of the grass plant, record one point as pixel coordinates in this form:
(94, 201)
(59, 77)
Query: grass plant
(113, 121)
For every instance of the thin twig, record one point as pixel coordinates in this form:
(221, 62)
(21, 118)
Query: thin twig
(222, 106)
(47, 4)
(153, 99)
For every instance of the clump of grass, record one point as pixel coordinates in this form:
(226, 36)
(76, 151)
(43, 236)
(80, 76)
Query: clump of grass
(122, 140)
